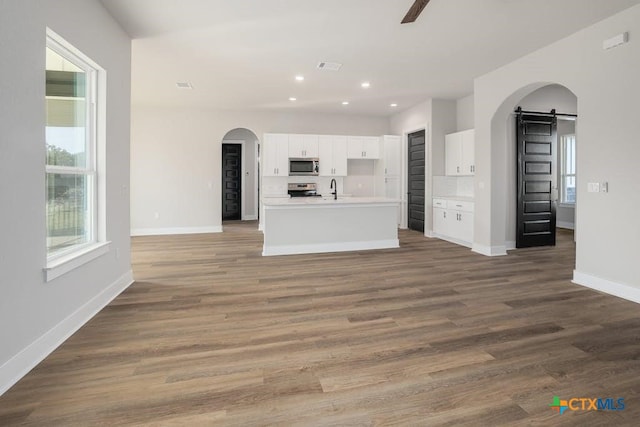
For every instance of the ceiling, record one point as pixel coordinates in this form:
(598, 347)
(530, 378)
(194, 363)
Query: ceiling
(244, 54)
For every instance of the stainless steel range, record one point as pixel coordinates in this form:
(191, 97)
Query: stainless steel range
(303, 190)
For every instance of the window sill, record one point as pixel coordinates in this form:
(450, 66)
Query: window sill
(567, 205)
(59, 266)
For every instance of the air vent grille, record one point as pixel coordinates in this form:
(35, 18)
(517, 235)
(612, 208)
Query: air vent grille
(184, 85)
(329, 66)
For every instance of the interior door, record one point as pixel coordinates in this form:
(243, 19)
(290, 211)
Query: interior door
(537, 191)
(415, 180)
(231, 184)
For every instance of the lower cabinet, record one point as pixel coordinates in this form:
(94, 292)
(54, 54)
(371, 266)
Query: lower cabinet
(453, 220)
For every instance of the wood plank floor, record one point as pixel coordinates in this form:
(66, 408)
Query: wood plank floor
(211, 333)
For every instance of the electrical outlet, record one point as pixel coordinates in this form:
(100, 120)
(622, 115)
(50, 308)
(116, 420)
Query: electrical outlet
(593, 187)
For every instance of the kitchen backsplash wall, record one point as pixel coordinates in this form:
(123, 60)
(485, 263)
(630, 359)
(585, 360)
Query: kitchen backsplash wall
(273, 186)
(361, 179)
(451, 186)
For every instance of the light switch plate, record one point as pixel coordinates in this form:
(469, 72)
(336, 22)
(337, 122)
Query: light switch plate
(593, 187)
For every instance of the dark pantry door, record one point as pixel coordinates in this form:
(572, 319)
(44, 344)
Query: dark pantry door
(536, 218)
(415, 195)
(231, 176)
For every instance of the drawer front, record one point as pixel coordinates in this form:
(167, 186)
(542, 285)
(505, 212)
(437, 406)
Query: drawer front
(460, 205)
(440, 203)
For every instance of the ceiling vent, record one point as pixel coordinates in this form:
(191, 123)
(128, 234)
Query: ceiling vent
(184, 85)
(329, 66)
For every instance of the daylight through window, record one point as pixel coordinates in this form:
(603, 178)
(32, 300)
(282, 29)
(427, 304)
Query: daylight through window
(568, 174)
(71, 147)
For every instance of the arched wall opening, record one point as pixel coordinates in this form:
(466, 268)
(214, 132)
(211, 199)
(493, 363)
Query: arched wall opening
(539, 96)
(249, 174)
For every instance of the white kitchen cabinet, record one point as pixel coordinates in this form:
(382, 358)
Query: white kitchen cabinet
(275, 155)
(392, 148)
(363, 147)
(453, 220)
(460, 153)
(332, 151)
(303, 146)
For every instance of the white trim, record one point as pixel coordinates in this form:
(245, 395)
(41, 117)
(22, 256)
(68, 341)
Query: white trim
(64, 264)
(330, 247)
(510, 245)
(175, 230)
(621, 290)
(489, 250)
(451, 240)
(250, 217)
(565, 224)
(20, 364)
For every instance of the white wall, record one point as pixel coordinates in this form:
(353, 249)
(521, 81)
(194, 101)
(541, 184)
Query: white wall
(465, 113)
(36, 316)
(176, 155)
(607, 88)
(250, 164)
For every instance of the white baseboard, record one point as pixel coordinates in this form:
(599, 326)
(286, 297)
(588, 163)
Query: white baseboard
(330, 247)
(429, 233)
(175, 230)
(20, 364)
(621, 290)
(564, 224)
(510, 245)
(451, 239)
(250, 217)
(489, 250)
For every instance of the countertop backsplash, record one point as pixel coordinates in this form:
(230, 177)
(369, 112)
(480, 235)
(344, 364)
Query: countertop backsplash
(453, 186)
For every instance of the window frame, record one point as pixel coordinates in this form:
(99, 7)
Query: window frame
(563, 168)
(64, 260)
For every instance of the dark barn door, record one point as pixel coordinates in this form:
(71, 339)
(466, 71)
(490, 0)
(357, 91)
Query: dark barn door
(415, 194)
(537, 190)
(231, 175)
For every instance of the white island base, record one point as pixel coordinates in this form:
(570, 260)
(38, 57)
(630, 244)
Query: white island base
(314, 225)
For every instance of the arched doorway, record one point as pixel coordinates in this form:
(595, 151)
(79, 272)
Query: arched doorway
(239, 175)
(540, 97)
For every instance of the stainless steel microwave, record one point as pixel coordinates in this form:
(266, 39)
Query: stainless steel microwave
(304, 167)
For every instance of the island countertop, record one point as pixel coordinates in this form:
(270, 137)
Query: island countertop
(326, 201)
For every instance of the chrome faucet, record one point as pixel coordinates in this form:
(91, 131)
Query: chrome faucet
(335, 191)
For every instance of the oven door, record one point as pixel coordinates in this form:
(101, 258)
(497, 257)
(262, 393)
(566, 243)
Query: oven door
(306, 167)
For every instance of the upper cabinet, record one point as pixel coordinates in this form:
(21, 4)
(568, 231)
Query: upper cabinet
(275, 155)
(333, 155)
(303, 146)
(460, 153)
(363, 147)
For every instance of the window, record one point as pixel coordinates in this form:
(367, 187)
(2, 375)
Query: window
(71, 92)
(568, 169)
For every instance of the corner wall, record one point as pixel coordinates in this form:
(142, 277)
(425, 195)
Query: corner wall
(607, 88)
(36, 316)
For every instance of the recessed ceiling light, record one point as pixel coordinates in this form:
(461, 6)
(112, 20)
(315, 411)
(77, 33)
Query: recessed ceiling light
(345, 102)
(184, 85)
(394, 105)
(299, 78)
(366, 85)
(292, 99)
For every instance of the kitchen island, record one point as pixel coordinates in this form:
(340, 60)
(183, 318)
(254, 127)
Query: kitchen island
(313, 224)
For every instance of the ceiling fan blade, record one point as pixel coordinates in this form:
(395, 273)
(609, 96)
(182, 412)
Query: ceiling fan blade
(414, 11)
